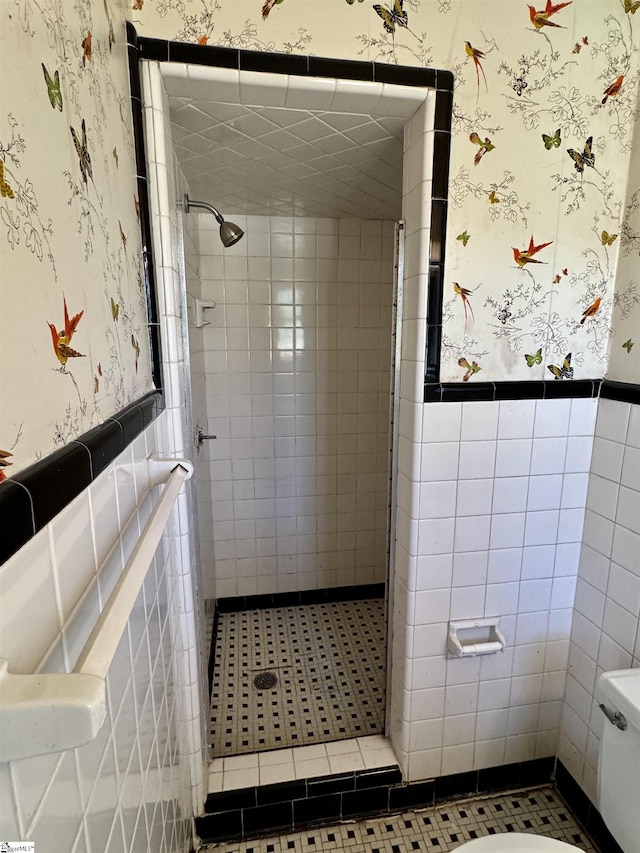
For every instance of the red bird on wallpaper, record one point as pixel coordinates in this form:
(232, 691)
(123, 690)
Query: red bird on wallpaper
(540, 19)
(526, 255)
(612, 90)
(62, 339)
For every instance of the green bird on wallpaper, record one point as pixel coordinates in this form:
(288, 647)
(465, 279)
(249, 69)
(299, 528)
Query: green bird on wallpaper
(476, 55)
(484, 148)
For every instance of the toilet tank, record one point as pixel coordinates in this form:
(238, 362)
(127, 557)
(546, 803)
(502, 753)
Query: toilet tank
(619, 761)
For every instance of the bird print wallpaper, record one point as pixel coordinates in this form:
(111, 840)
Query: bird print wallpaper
(542, 278)
(72, 292)
(540, 216)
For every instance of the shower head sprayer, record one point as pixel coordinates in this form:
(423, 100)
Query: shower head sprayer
(230, 233)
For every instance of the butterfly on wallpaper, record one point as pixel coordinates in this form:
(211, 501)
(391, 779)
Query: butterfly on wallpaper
(493, 198)
(61, 339)
(504, 315)
(556, 278)
(591, 310)
(392, 18)
(552, 141)
(87, 52)
(536, 358)
(485, 146)
(587, 158)
(135, 345)
(116, 158)
(464, 237)
(115, 310)
(627, 345)
(99, 369)
(472, 368)
(5, 188)
(137, 5)
(608, 239)
(565, 271)
(53, 87)
(563, 371)
(4, 462)
(631, 6)
(96, 384)
(83, 153)
(519, 85)
(578, 45)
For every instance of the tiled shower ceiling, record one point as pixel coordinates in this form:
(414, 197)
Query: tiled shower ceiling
(287, 162)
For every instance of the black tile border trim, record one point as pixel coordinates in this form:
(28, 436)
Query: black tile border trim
(450, 392)
(305, 803)
(374, 72)
(153, 322)
(302, 803)
(49, 485)
(625, 392)
(584, 810)
(235, 604)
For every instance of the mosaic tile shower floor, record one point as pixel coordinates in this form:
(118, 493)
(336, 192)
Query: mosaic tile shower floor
(540, 811)
(329, 660)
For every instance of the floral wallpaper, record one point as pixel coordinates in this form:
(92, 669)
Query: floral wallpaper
(540, 214)
(542, 272)
(74, 345)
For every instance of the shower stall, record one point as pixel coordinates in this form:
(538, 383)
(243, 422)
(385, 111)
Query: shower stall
(295, 388)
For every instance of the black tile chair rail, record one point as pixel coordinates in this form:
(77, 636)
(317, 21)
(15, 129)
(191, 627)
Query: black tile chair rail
(35, 495)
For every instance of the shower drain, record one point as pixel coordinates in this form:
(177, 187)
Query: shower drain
(265, 680)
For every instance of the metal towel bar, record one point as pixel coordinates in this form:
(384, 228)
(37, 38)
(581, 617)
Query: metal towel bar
(44, 713)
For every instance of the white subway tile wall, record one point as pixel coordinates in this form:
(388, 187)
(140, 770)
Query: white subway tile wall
(499, 513)
(605, 633)
(295, 370)
(126, 789)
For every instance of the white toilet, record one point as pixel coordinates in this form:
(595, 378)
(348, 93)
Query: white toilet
(618, 775)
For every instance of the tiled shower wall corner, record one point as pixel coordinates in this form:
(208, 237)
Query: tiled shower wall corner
(297, 367)
(496, 531)
(605, 633)
(491, 501)
(128, 786)
(166, 189)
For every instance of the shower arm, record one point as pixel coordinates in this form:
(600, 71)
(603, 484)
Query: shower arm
(189, 202)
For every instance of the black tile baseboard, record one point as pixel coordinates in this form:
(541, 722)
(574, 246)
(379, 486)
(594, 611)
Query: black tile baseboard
(298, 804)
(286, 806)
(345, 796)
(584, 810)
(235, 604)
(35, 495)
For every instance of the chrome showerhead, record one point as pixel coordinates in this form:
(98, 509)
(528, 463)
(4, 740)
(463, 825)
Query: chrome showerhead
(230, 233)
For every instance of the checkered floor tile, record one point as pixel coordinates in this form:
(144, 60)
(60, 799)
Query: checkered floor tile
(329, 661)
(540, 811)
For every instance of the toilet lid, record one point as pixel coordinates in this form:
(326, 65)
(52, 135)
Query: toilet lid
(515, 842)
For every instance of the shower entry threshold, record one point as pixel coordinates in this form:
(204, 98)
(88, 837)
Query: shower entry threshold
(297, 675)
